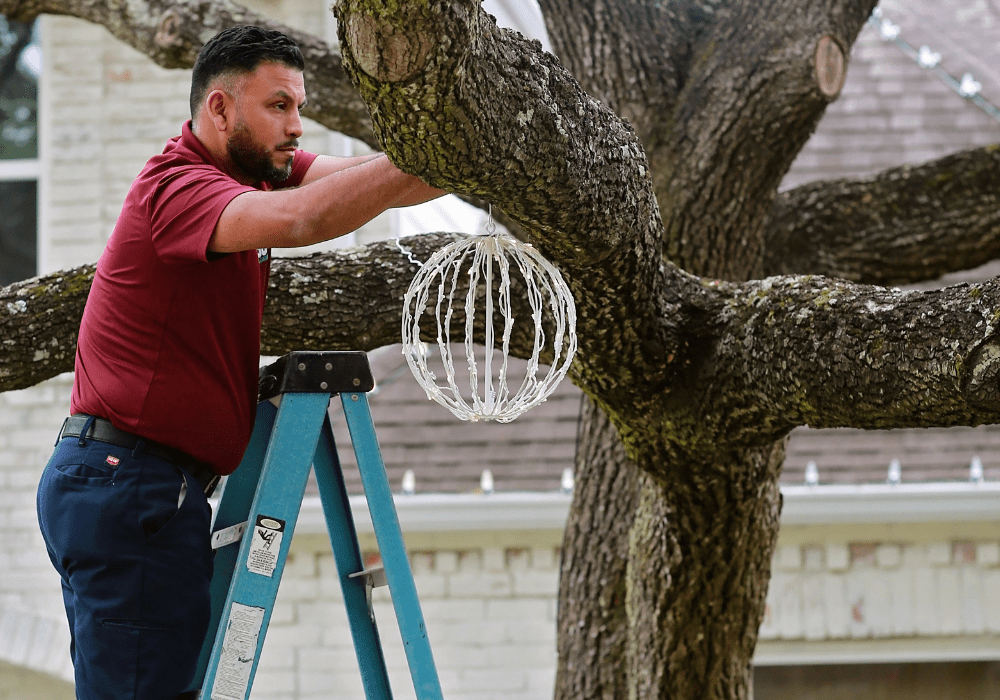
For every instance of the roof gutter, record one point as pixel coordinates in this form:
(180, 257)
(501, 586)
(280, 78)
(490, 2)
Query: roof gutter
(803, 505)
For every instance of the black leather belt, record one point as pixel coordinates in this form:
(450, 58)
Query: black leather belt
(103, 431)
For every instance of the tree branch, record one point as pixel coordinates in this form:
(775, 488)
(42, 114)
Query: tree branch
(631, 56)
(326, 301)
(349, 299)
(908, 224)
(751, 100)
(439, 78)
(722, 95)
(820, 352)
(444, 82)
(39, 320)
(172, 33)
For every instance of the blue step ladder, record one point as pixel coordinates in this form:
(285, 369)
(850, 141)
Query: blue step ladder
(258, 510)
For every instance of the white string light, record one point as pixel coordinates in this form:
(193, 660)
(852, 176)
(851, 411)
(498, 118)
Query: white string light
(481, 259)
(976, 470)
(812, 474)
(928, 58)
(967, 87)
(895, 472)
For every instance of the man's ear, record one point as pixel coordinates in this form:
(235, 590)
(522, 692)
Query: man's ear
(219, 106)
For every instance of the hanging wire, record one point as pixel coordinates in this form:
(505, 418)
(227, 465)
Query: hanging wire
(967, 87)
(408, 253)
(491, 227)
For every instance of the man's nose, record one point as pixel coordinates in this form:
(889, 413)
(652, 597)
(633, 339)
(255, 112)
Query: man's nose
(294, 126)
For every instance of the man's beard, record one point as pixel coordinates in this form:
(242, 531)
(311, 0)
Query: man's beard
(253, 159)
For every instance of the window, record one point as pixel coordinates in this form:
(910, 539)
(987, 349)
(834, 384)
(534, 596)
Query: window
(20, 69)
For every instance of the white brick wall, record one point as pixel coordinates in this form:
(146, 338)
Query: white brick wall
(886, 590)
(29, 421)
(34, 639)
(488, 641)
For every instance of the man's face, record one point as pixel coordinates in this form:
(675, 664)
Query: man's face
(263, 140)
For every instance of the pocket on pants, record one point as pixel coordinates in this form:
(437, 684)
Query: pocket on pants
(84, 474)
(129, 624)
(159, 495)
(89, 465)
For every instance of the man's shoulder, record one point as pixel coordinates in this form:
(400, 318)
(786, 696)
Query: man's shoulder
(184, 150)
(181, 160)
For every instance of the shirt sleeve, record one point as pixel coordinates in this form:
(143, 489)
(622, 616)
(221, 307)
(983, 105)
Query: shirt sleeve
(183, 211)
(186, 205)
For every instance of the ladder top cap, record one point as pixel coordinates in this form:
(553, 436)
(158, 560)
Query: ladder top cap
(316, 372)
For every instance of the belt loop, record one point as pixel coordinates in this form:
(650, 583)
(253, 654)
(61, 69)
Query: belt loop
(86, 429)
(140, 445)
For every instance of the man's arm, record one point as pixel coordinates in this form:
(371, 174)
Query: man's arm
(334, 201)
(328, 165)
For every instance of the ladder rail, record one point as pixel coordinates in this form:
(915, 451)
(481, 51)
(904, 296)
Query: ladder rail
(233, 508)
(391, 547)
(347, 557)
(250, 602)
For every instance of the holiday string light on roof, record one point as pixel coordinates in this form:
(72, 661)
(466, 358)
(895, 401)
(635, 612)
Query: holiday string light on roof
(967, 87)
(483, 265)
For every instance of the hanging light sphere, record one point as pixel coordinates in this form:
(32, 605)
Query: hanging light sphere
(483, 265)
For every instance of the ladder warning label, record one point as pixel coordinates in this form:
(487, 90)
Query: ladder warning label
(265, 545)
(239, 646)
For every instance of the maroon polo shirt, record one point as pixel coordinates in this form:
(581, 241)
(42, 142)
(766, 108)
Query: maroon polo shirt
(170, 340)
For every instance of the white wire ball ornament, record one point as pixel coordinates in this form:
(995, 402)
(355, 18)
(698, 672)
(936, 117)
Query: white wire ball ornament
(482, 259)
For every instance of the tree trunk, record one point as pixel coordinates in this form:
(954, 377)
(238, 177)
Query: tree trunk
(663, 581)
(699, 564)
(593, 625)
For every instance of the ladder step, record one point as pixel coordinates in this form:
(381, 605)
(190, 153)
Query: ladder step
(374, 578)
(229, 535)
(377, 576)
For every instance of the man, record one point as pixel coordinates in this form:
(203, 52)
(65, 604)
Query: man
(166, 369)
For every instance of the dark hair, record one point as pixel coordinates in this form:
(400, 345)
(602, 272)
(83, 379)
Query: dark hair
(239, 50)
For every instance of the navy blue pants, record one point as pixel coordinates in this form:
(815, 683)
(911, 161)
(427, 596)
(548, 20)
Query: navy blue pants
(129, 535)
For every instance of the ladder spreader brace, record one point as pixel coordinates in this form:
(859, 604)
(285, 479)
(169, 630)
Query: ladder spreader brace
(260, 505)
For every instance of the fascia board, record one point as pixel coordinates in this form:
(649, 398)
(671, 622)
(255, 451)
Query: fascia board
(891, 503)
(803, 505)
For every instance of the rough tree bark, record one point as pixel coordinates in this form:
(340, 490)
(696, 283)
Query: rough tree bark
(695, 368)
(593, 624)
